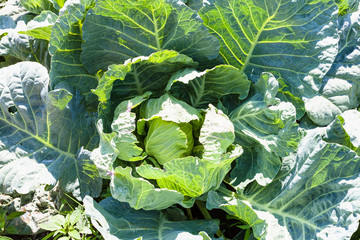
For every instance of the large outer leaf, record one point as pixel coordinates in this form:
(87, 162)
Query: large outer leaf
(297, 40)
(140, 193)
(12, 8)
(137, 76)
(124, 125)
(37, 6)
(201, 88)
(191, 176)
(40, 26)
(105, 155)
(6, 22)
(216, 134)
(345, 130)
(65, 49)
(121, 142)
(46, 131)
(21, 46)
(138, 28)
(115, 220)
(340, 90)
(267, 132)
(141, 74)
(314, 196)
(195, 4)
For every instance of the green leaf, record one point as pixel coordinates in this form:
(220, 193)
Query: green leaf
(105, 155)
(131, 29)
(321, 111)
(37, 6)
(273, 127)
(266, 89)
(296, 40)
(344, 130)
(11, 230)
(6, 22)
(64, 238)
(314, 196)
(169, 109)
(350, 125)
(48, 140)
(347, 6)
(140, 193)
(83, 226)
(196, 4)
(266, 133)
(2, 219)
(13, 9)
(121, 142)
(285, 95)
(56, 222)
(340, 90)
(74, 234)
(23, 47)
(261, 166)
(65, 49)
(115, 220)
(5, 238)
(216, 134)
(137, 76)
(14, 215)
(7, 61)
(40, 26)
(124, 125)
(60, 98)
(58, 3)
(165, 141)
(83, 169)
(191, 176)
(75, 216)
(201, 88)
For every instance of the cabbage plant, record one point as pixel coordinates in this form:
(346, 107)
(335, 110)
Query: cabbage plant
(150, 111)
(187, 151)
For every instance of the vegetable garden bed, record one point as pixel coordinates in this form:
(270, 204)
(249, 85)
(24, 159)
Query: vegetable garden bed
(179, 119)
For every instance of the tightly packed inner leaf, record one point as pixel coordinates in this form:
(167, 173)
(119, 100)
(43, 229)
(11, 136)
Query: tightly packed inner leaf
(162, 142)
(165, 141)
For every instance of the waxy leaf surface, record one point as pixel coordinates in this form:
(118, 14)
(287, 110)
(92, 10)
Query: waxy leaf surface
(314, 196)
(115, 221)
(131, 29)
(47, 130)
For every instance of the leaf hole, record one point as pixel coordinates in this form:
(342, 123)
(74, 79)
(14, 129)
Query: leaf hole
(12, 110)
(2, 59)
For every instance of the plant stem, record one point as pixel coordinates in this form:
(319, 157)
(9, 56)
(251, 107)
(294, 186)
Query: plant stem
(227, 192)
(203, 210)
(73, 199)
(189, 213)
(154, 162)
(207, 216)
